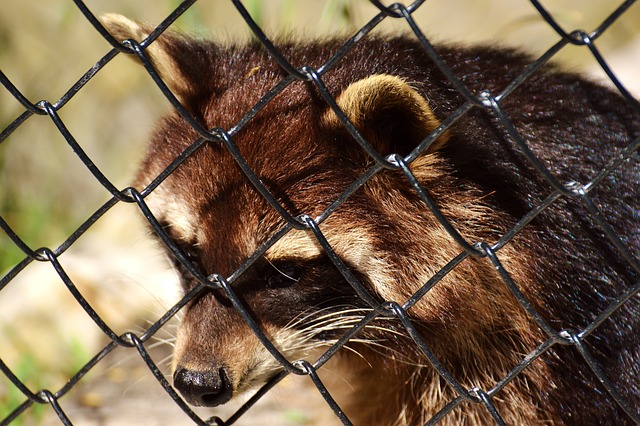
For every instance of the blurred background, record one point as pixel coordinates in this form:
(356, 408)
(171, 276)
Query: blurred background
(46, 192)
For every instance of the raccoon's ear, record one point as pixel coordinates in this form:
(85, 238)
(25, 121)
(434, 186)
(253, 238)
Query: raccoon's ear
(185, 65)
(389, 113)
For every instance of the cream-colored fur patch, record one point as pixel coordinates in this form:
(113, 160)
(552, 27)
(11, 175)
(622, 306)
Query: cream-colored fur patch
(298, 244)
(351, 244)
(123, 28)
(176, 212)
(379, 92)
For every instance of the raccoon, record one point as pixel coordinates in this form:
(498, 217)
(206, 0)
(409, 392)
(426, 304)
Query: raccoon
(393, 243)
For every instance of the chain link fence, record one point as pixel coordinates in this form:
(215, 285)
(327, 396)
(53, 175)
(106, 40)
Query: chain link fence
(139, 342)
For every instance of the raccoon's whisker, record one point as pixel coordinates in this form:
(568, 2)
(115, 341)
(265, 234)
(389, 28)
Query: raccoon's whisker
(166, 361)
(314, 313)
(340, 320)
(335, 321)
(354, 351)
(160, 341)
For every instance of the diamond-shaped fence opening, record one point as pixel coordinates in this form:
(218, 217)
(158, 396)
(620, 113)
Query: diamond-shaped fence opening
(66, 207)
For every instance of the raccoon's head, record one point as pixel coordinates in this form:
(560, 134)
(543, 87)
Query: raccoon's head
(303, 155)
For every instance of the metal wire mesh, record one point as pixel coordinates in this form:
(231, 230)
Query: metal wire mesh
(581, 192)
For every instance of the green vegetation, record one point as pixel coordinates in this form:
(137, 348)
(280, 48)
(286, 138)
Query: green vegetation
(29, 371)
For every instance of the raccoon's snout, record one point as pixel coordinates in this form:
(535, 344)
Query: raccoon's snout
(203, 388)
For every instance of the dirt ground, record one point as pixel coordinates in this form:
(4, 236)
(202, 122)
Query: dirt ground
(123, 392)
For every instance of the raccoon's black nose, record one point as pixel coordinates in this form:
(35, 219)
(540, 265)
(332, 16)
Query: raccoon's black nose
(203, 388)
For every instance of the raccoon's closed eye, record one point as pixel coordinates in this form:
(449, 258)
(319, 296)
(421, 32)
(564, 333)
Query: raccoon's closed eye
(283, 275)
(191, 256)
(189, 250)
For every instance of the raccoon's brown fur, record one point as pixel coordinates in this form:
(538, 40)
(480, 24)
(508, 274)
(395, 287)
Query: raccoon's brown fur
(386, 235)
